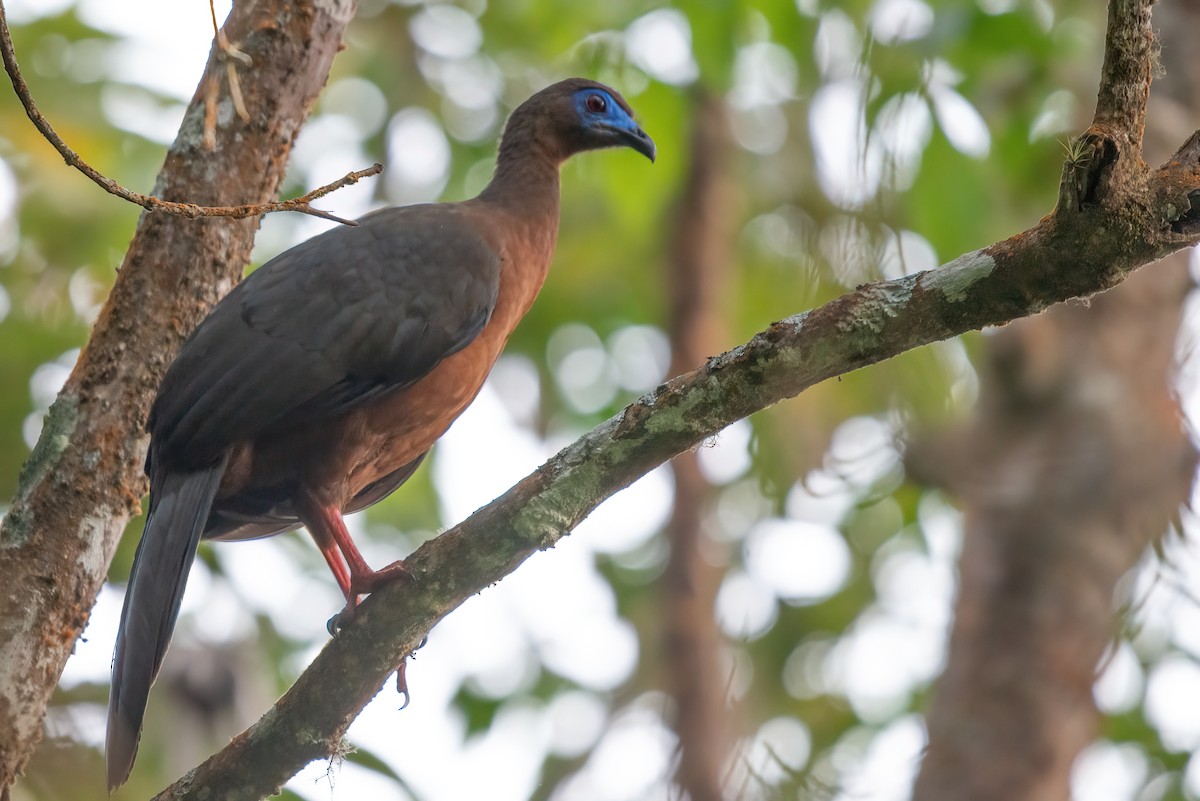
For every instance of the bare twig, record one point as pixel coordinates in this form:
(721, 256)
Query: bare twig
(235, 88)
(149, 202)
(219, 35)
(229, 52)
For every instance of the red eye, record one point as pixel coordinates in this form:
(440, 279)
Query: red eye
(596, 104)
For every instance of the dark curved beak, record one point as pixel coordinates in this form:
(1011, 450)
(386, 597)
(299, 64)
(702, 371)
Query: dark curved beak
(639, 140)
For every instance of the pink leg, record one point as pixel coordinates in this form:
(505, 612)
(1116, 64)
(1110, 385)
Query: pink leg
(329, 530)
(333, 558)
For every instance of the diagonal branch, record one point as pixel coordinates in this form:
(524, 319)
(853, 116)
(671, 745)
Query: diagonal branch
(1066, 255)
(149, 202)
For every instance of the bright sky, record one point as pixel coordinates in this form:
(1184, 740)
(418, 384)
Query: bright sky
(557, 608)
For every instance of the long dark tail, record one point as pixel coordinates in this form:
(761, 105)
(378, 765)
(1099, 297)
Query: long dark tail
(179, 507)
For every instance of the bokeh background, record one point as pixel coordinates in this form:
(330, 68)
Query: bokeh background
(866, 139)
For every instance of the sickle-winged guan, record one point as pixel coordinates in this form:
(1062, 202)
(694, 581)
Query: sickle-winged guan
(315, 388)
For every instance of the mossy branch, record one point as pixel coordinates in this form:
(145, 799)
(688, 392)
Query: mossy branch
(1065, 256)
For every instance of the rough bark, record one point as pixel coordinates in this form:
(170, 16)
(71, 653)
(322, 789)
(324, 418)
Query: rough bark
(84, 479)
(698, 269)
(1076, 461)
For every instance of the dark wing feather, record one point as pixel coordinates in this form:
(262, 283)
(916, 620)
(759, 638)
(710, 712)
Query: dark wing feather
(338, 320)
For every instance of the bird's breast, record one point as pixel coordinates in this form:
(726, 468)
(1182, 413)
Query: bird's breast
(336, 459)
(394, 430)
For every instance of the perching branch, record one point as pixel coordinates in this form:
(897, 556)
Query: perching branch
(1113, 216)
(149, 202)
(1071, 253)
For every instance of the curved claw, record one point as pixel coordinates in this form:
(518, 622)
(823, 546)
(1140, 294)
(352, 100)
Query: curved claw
(402, 683)
(336, 623)
(401, 678)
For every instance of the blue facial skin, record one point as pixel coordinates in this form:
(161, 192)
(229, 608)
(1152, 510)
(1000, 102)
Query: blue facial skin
(614, 121)
(613, 115)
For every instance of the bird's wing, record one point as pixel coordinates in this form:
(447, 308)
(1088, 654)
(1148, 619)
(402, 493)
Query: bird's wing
(340, 319)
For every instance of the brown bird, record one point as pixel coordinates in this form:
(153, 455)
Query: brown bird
(315, 388)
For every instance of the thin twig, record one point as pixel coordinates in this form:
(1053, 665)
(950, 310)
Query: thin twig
(212, 10)
(209, 139)
(235, 89)
(219, 35)
(229, 53)
(149, 202)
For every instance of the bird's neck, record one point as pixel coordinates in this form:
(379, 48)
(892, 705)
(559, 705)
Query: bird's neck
(525, 182)
(523, 195)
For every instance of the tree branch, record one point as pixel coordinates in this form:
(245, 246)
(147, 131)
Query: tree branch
(149, 202)
(1130, 52)
(84, 478)
(1110, 151)
(1068, 254)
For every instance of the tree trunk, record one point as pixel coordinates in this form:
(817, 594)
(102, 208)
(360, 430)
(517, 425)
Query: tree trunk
(1076, 462)
(702, 232)
(84, 479)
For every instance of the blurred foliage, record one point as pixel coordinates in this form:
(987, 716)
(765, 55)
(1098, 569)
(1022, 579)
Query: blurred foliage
(1019, 73)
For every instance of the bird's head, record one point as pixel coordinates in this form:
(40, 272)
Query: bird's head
(604, 119)
(578, 114)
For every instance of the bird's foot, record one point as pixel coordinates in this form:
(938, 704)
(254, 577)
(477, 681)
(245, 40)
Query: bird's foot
(366, 583)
